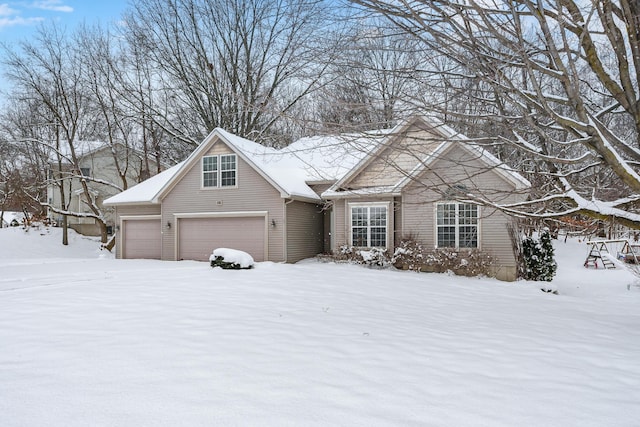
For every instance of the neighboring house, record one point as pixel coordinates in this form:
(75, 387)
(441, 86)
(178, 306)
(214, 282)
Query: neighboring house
(11, 219)
(321, 193)
(96, 162)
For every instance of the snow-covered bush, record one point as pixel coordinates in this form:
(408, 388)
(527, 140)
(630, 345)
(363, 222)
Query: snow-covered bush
(374, 257)
(231, 259)
(412, 255)
(540, 264)
(467, 262)
(409, 254)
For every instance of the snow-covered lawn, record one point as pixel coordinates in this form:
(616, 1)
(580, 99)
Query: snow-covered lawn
(87, 340)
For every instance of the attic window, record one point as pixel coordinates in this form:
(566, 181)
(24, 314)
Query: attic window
(219, 171)
(455, 191)
(85, 171)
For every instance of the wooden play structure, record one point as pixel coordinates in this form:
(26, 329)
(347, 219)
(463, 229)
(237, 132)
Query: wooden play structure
(601, 251)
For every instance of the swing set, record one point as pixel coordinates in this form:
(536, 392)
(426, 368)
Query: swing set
(601, 251)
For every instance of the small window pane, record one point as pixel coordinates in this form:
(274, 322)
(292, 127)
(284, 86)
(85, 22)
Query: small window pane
(359, 236)
(469, 237)
(378, 216)
(378, 237)
(446, 214)
(359, 217)
(446, 237)
(468, 214)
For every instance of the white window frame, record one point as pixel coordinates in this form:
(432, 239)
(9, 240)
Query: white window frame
(218, 172)
(457, 225)
(351, 206)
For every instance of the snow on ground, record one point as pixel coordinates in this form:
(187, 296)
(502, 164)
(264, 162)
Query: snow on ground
(89, 340)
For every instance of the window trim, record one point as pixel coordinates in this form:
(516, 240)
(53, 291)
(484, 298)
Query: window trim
(457, 225)
(349, 222)
(217, 172)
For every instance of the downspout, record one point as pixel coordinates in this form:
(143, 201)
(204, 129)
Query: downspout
(284, 230)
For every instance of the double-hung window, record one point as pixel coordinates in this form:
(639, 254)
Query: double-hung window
(219, 171)
(369, 226)
(457, 225)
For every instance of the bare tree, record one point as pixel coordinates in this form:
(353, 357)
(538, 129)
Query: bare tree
(557, 81)
(377, 69)
(23, 160)
(50, 70)
(237, 64)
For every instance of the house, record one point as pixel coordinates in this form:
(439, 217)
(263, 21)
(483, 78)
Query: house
(11, 219)
(102, 170)
(420, 179)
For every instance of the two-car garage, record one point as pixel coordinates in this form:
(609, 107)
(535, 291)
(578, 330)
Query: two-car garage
(196, 235)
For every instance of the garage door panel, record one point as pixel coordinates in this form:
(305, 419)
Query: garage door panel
(142, 239)
(198, 237)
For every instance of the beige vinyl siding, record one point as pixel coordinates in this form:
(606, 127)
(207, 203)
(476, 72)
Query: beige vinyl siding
(328, 223)
(253, 193)
(398, 233)
(304, 230)
(396, 161)
(461, 168)
(131, 210)
(339, 227)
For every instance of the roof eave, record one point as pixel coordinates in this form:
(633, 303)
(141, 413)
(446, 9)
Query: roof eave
(329, 195)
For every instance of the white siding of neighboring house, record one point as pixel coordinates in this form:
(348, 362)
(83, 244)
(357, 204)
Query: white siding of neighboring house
(102, 167)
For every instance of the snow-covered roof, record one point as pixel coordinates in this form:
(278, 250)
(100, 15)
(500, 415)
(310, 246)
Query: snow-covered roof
(81, 148)
(9, 216)
(146, 191)
(285, 171)
(449, 137)
(289, 170)
(330, 157)
(293, 169)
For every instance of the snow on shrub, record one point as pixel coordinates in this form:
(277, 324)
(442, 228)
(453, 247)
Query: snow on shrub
(231, 259)
(409, 254)
(539, 261)
(373, 257)
(412, 255)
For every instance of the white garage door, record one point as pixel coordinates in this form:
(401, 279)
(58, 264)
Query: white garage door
(198, 237)
(141, 239)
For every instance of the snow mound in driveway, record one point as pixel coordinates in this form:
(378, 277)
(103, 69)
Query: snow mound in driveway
(233, 256)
